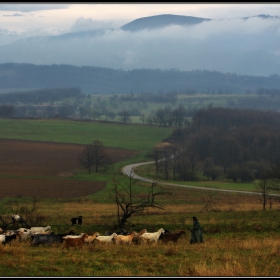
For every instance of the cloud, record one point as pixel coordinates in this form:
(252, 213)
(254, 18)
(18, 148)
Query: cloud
(14, 15)
(249, 47)
(32, 7)
(83, 24)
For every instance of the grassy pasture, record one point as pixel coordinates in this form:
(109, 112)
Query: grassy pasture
(115, 135)
(240, 238)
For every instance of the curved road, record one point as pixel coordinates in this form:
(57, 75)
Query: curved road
(128, 170)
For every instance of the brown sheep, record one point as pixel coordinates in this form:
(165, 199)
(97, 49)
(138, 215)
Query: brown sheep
(172, 236)
(75, 242)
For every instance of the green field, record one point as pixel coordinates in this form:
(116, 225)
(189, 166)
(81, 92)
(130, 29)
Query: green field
(115, 135)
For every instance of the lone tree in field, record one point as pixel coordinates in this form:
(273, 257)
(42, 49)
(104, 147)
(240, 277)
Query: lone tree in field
(129, 201)
(94, 155)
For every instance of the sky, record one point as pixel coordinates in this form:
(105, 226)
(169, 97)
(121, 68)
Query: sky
(227, 43)
(50, 18)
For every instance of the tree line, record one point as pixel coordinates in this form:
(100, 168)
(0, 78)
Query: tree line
(238, 144)
(100, 80)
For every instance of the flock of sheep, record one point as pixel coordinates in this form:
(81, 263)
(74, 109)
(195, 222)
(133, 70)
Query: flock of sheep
(44, 235)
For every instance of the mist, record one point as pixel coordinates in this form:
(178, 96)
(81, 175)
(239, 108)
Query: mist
(247, 47)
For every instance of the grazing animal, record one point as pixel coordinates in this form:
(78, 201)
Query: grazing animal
(43, 232)
(75, 242)
(77, 220)
(72, 236)
(165, 231)
(124, 239)
(17, 219)
(10, 238)
(91, 238)
(9, 232)
(4, 239)
(44, 239)
(62, 235)
(172, 236)
(24, 230)
(106, 239)
(135, 238)
(40, 229)
(24, 235)
(150, 237)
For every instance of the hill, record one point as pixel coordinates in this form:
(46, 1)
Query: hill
(247, 46)
(100, 80)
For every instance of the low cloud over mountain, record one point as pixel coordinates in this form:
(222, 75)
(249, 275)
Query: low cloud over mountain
(247, 46)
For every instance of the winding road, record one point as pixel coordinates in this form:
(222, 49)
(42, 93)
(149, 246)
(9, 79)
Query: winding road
(129, 171)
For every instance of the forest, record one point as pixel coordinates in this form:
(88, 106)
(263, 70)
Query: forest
(222, 143)
(100, 80)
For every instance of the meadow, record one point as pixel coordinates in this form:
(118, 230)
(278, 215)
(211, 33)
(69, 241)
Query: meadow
(240, 238)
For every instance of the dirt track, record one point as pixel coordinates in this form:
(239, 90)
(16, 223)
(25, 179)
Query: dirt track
(56, 160)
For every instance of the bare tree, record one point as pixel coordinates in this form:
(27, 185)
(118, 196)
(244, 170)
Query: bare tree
(95, 155)
(31, 215)
(263, 187)
(130, 202)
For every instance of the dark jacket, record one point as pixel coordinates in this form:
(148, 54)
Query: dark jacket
(196, 233)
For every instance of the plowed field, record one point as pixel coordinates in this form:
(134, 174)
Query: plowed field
(57, 162)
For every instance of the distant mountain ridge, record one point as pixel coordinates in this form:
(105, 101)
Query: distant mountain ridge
(161, 21)
(225, 46)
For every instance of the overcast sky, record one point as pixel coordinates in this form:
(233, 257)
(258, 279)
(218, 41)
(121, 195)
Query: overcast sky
(225, 44)
(60, 18)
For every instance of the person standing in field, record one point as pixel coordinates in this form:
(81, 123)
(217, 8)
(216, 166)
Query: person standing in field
(196, 232)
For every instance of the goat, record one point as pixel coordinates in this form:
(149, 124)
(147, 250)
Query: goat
(17, 219)
(106, 239)
(10, 238)
(23, 236)
(44, 239)
(124, 239)
(23, 230)
(165, 231)
(40, 229)
(172, 236)
(150, 237)
(43, 232)
(77, 220)
(4, 239)
(9, 232)
(75, 242)
(61, 235)
(135, 238)
(91, 238)
(72, 236)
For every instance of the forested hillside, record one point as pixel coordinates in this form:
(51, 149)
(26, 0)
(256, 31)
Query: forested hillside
(98, 80)
(236, 144)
